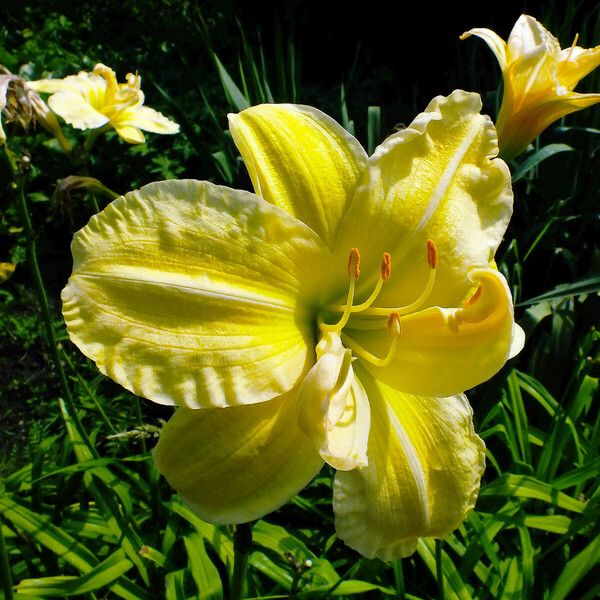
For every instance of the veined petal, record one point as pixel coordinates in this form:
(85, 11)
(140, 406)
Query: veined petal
(425, 466)
(493, 40)
(194, 294)
(576, 63)
(76, 110)
(443, 351)
(334, 408)
(434, 180)
(301, 160)
(148, 119)
(233, 465)
(51, 86)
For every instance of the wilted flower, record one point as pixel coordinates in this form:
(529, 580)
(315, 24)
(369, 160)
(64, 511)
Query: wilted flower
(539, 79)
(19, 103)
(278, 324)
(93, 100)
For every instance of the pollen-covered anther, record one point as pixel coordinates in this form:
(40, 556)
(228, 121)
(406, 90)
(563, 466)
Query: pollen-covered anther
(417, 304)
(354, 263)
(394, 326)
(386, 266)
(432, 254)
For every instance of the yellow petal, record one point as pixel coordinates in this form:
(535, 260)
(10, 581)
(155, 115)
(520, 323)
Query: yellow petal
(425, 466)
(434, 180)
(493, 40)
(129, 134)
(194, 294)
(76, 110)
(6, 270)
(148, 119)
(301, 160)
(334, 408)
(233, 465)
(51, 86)
(576, 63)
(516, 131)
(444, 351)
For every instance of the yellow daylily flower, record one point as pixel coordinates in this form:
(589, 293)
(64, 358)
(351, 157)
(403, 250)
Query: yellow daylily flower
(539, 79)
(336, 315)
(93, 100)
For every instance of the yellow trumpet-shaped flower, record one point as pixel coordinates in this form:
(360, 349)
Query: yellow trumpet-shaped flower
(336, 315)
(539, 79)
(93, 100)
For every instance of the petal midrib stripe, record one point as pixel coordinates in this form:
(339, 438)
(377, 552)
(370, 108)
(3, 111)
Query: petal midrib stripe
(251, 298)
(448, 176)
(415, 466)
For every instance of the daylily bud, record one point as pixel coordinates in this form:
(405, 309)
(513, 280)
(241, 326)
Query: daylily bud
(72, 183)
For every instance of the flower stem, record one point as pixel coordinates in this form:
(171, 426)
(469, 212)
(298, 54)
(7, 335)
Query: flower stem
(242, 543)
(438, 569)
(18, 188)
(399, 579)
(6, 592)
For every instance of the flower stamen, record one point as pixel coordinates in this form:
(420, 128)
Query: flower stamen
(572, 47)
(354, 272)
(432, 259)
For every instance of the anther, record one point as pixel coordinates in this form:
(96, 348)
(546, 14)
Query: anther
(354, 272)
(386, 266)
(432, 259)
(394, 326)
(432, 254)
(354, 263)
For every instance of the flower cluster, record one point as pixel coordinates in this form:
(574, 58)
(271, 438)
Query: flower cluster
(86, 101)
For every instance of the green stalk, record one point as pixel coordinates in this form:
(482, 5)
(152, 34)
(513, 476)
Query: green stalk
(399, 579)
(438, 569)
(6, 592)
(242, 543)
(18, 188)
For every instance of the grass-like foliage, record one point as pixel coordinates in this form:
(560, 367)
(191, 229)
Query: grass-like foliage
(83, 511)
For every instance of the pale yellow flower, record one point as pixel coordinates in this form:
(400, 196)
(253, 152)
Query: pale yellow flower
(336, 315)
(93, 100)
(539, 79)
